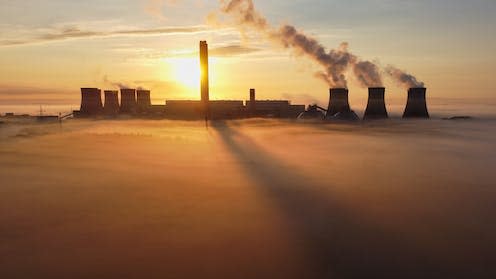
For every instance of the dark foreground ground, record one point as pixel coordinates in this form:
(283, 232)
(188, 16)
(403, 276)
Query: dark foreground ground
(248, 199)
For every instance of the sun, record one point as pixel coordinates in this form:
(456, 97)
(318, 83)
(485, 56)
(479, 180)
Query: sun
(186, 71)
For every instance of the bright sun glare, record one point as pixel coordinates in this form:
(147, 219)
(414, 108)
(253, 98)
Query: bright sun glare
(186, 71)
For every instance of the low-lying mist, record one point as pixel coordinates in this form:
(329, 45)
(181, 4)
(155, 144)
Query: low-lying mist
(247, 199)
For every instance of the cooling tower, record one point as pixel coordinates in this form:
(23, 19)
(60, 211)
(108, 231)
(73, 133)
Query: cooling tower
(111, 106)
(338, 102)
(376, 106)
(91, 101)
(128, 101)
(416, 106)
(144, 101)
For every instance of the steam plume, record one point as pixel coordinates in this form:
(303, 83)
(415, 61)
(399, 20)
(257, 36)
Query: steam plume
(403, 78)
(120, 85)
(335, 62)
(368, 74)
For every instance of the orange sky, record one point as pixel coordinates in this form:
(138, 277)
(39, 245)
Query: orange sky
(47, 55)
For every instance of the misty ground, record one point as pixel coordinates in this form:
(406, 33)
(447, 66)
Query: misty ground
(248, 199)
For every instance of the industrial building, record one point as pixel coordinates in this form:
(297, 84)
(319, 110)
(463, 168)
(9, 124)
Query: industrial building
(91, 102)
(143, 101)
(111, 104)
(339, 106)
(128, 101)
(376, 105)
(416, 106)
(137, 103)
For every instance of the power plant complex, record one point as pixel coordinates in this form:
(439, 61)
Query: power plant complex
(137, 103)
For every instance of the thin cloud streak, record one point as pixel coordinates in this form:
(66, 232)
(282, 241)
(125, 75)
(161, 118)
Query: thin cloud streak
(77, 33)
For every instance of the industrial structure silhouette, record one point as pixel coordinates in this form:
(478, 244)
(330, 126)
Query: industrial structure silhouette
(138, 103)
(376, 106)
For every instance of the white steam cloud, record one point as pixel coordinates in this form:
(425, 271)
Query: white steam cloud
(335, 62)
(403, 78)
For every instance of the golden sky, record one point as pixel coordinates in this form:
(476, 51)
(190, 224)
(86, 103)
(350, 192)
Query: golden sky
(49, 50)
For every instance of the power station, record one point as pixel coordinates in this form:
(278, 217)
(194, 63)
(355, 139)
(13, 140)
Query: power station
(138, 103)
(111, 106)
(143, 101)
(416, 106)
(91, 101)
(376, 106)
(128, 101)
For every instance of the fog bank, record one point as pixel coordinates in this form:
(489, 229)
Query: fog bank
(247, 199)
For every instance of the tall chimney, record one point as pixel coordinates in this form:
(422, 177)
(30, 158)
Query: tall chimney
(205, 97)
(111, 106)
(416, 106)
(128, 101)
(338, 101)
(376, 106)
(252, 95)
(144, 101)
(253, 99)
(91, 101)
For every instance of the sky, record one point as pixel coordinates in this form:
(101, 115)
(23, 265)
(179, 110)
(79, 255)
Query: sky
(50, 49)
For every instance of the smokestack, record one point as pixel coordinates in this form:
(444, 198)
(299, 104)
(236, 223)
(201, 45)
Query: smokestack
(111, 106)
(205, 97)
(128, 101)
(144, 101)
(91, 101)
(376, 106)
(252, 95)
(338, 102)
(416, 106)
(253, 99)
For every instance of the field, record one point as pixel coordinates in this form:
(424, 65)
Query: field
(248, 199)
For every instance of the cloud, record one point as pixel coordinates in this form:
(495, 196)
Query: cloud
(220, 51)
(68, 33)
(232, 50)
(155, 7)
(17, 94)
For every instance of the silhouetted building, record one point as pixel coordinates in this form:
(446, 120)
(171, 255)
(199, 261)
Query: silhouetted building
(128, 101)
(271, 108)
(143, 101)
(191, 110)
(205, 94)
(157, 111)
(226, 109)
(313, 112)
(111, 106)
(416, 106)
(184, 109)
(338, 101)
(133, 102)
(376, 106)
(251, 105)
(339, 106)
(91, 102)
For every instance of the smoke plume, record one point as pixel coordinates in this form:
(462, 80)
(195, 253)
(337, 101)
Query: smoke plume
(368, 74)
(335, 62)
(118, 84)
(403, 78)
